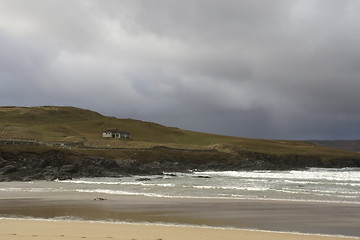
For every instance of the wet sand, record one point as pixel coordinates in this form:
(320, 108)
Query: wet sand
(284, 216)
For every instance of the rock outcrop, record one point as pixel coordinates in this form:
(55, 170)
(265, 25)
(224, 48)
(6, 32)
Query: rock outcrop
(60, 164)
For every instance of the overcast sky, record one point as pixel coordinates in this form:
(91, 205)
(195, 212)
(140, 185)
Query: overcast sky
(282, 69)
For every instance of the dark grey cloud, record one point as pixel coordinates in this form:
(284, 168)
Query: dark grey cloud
(272, 69)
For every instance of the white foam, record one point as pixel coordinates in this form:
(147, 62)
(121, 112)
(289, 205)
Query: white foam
(320, 174)
(119, 192)
(309, 185)
(87, 182)
(91, 182)
(233, 188)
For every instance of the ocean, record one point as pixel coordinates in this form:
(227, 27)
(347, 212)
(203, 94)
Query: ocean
(314, 184)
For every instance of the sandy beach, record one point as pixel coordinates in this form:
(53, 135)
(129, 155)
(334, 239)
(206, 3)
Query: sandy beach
(279, 216)
(22, 229)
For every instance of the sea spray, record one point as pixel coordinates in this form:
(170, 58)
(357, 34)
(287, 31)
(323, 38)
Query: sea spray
(315, 184)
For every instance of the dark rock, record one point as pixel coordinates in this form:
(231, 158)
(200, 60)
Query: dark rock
(203, 176)
(43, 163)
(2, 163)
(126, 163)
(28, 178)
(110, 164)
(171, 174)
(69, 168)
(55, 164)
(143, 179)
(153, 168)
(99, 199)
(61, 178)
(8, 169)
(49, 177)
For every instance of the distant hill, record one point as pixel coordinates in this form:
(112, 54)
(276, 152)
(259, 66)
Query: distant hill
(70, 124)
(350, 145)
(53, 123)
(152, 148)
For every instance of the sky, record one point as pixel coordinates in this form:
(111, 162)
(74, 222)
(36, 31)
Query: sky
(278, 69)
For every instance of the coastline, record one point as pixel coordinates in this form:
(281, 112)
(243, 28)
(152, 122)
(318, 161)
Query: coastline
(267, 215)
(21, 229)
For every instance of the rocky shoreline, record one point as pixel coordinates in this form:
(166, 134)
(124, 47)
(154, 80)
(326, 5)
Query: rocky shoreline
(61, 164)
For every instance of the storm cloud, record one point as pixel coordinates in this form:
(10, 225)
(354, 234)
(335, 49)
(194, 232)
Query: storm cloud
(285, 69)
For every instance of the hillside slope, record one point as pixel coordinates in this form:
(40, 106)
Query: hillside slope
(151, 144)
(349, 145)
(70, 124)
(73, 124)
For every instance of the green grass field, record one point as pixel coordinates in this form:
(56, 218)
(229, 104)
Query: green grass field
(69, 124)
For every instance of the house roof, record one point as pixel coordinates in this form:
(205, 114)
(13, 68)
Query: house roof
(116, 131)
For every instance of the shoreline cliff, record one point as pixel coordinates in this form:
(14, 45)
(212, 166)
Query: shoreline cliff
(32, 163)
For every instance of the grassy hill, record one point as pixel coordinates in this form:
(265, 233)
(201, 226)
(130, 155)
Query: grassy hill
(350, 145)
(69, 124)
(51, 123)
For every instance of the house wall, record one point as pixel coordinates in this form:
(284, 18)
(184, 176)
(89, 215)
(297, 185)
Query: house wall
(125, 135)
(107, 135)
(116, 135)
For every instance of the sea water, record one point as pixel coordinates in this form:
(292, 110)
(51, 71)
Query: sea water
(314, 184)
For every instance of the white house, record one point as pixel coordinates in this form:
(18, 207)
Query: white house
(115, 133)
